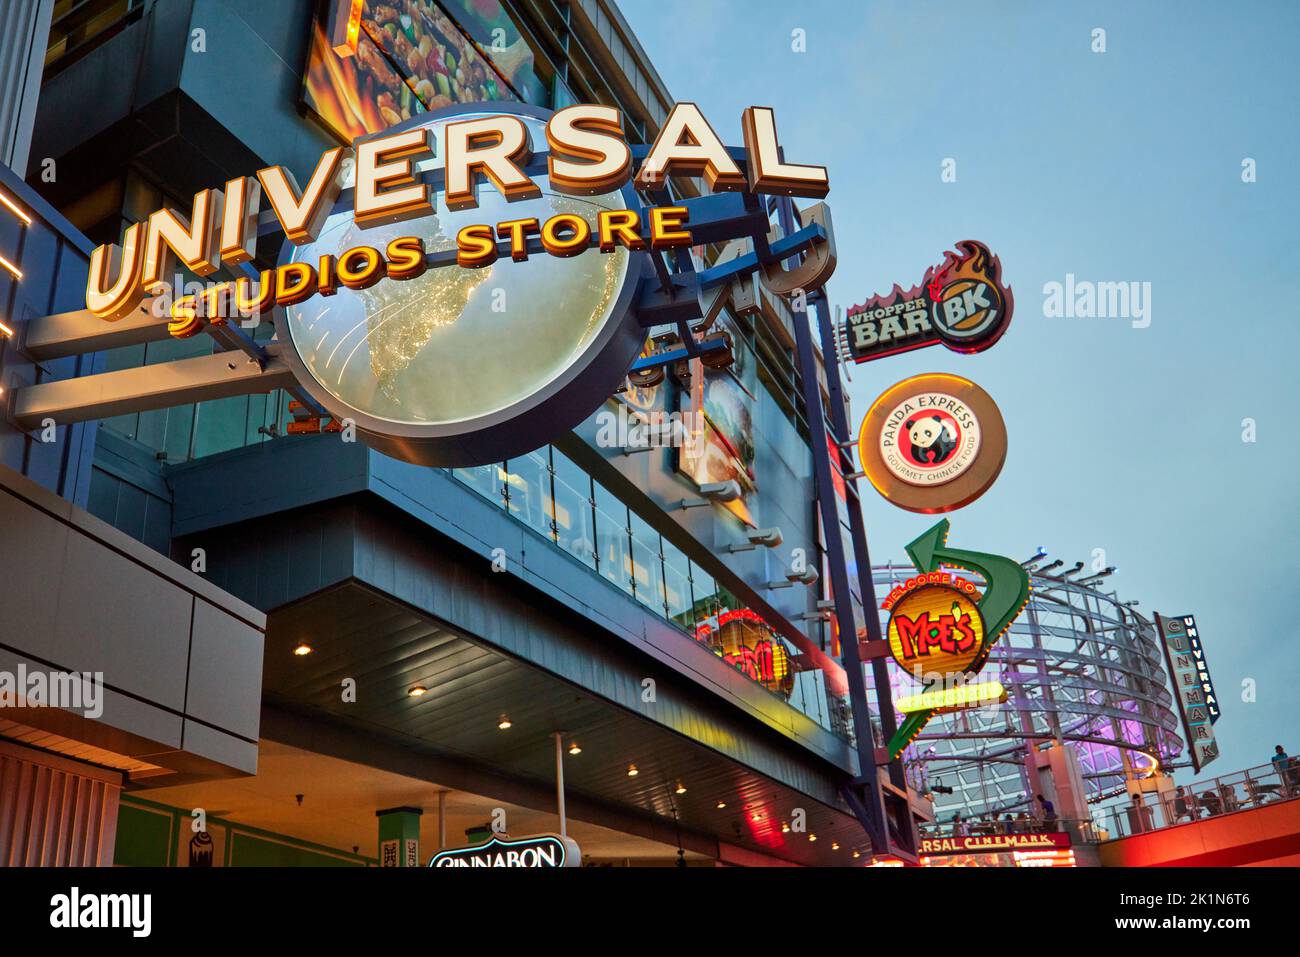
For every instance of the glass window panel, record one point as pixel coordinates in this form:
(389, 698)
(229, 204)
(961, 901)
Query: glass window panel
(487, 480)
(705, 607)
(257, 405)
(220, 425)
(152, 427)
(613, 542)
(528, 491)
(180, 431)
(648, 565)
(677, 587)
(575, 517)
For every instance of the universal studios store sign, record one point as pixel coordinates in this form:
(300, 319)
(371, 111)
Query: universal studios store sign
(452, 324)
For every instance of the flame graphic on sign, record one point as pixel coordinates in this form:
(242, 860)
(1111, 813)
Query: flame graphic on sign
(974, 263)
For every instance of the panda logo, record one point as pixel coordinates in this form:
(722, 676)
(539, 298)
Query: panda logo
(933, 439)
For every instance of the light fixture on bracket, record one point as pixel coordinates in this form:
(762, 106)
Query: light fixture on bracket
(655, 435)
(714, 492)
(808, 576)
(767, 537)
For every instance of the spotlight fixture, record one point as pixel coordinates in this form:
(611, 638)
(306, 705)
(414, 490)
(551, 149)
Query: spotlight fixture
(1035, 558)
(856, 855)
(721, 805)
(416, 690)
(575, 750)
(812, 837)
(6, 331)
(1091, 579)
(766, 537)
(785, 827)
(835, 845)
(718, 492)
(807, 576)
(681, 788)
(504, 723)
(632, 771)
(303, 648)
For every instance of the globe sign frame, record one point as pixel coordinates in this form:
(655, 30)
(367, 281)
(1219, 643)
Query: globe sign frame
(561, 404)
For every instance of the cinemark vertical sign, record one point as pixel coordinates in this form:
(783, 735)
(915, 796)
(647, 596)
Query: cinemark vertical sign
(1197, 702)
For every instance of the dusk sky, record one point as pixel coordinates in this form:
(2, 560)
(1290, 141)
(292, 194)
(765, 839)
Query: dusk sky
(1126, 434)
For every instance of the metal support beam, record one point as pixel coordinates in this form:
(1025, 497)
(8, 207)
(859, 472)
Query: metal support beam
(857, 530)
(863, 794)
(140, 389)
(80, 331)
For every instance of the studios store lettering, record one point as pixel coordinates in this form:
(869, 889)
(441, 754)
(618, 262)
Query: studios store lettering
(587, 155)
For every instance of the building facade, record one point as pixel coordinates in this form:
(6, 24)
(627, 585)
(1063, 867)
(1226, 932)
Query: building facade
(375, 652)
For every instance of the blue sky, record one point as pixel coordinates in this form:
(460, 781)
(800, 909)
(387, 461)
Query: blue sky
(1117, 166)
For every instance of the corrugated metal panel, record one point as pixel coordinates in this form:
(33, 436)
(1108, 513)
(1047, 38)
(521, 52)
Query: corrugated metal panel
(54, 812)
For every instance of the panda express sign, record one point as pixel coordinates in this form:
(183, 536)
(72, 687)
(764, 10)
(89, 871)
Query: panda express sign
(932, 443)
(453, 325)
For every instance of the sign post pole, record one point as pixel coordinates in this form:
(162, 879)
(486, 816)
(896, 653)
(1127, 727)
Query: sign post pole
(559, 782)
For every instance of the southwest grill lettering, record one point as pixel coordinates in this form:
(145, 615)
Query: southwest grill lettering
(588, 155)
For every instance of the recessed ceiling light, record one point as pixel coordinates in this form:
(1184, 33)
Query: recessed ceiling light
(416, 690)
(632, 771)
(504, 723)
(785, 827)
(575, 750)
(302, 649)
(681, 788)
(856, 855)
(835, 845)
(812, 837)
(721, 805)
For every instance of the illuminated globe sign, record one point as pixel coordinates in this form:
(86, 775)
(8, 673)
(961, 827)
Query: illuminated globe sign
(460, 294)
(460, 364)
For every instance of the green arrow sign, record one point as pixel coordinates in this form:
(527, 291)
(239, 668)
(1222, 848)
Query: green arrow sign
(1006, 590)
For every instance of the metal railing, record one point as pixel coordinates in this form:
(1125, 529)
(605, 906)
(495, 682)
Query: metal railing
(1239, 791)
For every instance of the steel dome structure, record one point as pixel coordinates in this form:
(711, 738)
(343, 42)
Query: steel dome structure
(1080, 666)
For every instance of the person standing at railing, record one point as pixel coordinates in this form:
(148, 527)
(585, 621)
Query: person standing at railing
(1048, 811)
(1286, 770)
